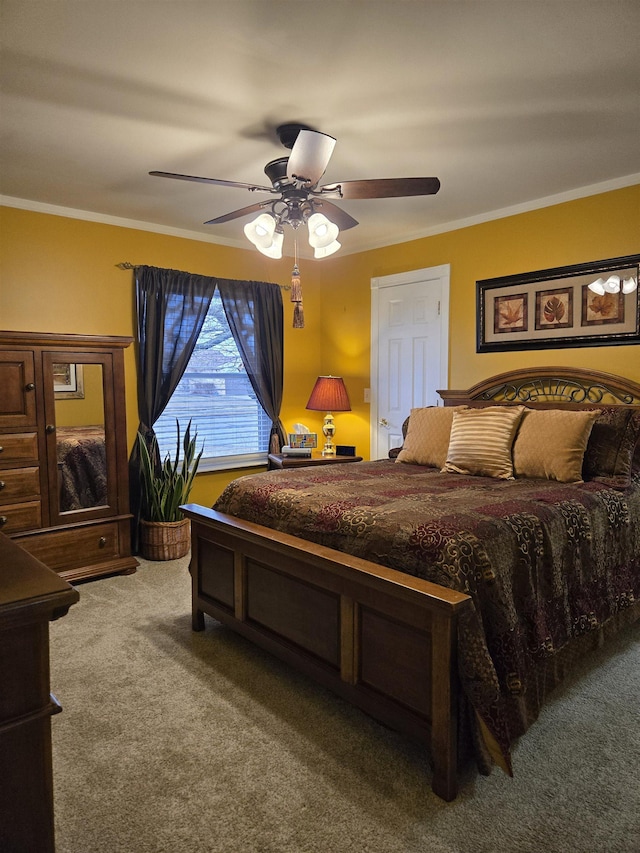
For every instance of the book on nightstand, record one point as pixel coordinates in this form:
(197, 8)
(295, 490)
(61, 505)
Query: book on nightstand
(299, 452)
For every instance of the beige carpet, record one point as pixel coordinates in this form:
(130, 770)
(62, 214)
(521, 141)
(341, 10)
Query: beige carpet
(173, 742)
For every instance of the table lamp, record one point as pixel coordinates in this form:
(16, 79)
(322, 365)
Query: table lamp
(329, 395)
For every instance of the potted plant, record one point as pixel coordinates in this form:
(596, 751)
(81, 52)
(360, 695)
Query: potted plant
(165, 486)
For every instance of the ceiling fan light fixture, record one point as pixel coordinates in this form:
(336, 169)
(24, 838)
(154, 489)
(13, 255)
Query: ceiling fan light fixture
(322, 232)
(597, 287)
(296, 180)
(612, 284)
(325, 251)
(260, 231)
(274, 249)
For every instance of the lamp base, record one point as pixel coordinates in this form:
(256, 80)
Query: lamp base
(329, 429)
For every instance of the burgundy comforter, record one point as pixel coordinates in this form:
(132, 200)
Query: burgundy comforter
(545, 563)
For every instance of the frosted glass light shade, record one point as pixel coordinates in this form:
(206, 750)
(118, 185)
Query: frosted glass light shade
(275, 249)
(260, 231)
(629, 285)
(612, 284)
(597, 286)
(322, 232)
(327, 250)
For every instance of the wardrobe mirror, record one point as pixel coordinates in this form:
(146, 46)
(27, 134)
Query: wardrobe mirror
(80, 435)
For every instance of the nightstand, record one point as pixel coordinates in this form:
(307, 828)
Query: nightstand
(277, 460)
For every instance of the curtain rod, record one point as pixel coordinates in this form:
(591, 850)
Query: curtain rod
(125, 265)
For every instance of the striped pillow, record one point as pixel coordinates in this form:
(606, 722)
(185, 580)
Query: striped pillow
(481, 441)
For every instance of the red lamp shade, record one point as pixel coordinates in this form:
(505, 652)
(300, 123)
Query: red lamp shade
(329, 395)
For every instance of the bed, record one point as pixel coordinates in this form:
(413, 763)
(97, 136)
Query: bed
(445, 603)
(82, 467)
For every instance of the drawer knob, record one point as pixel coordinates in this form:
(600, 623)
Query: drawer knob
(2, 484)
(29, 387)
(3, 520)
(50, 428)
(1, 448)
(102, 541)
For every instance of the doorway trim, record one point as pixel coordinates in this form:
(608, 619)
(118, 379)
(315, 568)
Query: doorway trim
(442, 274)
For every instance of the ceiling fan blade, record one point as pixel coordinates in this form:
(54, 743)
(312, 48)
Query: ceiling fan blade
(381, 188)
(236, 214)
(338, 216)
(310, 157)
(216, 181)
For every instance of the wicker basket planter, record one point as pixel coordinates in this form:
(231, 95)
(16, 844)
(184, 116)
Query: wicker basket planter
(165, 540)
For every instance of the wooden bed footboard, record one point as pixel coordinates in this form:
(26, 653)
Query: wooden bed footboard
(383, 640)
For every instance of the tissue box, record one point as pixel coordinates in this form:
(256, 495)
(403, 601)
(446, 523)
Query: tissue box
(303, 439)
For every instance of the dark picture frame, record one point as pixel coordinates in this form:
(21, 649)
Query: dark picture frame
(510, 313)
(68, 381)
(555, 308)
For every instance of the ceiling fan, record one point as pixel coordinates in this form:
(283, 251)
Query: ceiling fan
(295, 179)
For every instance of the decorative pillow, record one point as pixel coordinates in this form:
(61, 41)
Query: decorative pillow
(482, 440)
(551, 444)
(427, 437)
(610, 452)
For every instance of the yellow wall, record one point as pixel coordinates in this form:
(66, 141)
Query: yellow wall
(59, 274)
(87, 410)
(589, 229)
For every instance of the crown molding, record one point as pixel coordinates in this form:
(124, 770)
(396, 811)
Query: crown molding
(514, 210)
(454, 225)
(119, 221)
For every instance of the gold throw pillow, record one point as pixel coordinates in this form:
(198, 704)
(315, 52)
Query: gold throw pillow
(427, 438)
(551, 443)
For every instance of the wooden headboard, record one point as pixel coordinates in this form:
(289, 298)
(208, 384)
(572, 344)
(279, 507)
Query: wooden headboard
(549, 387)
(544, 388)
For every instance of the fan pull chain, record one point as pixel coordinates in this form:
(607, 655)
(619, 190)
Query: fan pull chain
(296, 291)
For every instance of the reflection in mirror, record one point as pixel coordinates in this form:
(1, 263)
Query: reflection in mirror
(79, 403)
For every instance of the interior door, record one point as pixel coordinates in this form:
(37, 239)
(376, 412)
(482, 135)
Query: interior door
(409, 350)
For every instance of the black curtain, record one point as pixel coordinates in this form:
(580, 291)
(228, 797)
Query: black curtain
(171, 308)
(255, 315)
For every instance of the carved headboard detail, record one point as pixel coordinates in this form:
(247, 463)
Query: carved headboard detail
(544, 388)
(547, 387)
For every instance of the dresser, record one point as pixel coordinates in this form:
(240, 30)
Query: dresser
(31, 596)
(64, 490)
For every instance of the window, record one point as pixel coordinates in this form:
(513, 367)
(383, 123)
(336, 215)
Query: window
(215, 392)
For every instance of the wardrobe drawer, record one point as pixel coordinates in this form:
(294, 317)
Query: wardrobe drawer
(78, 546)
(19, 484)
(20, 516)
(18, 447)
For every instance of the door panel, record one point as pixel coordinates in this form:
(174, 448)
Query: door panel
(18, 398)
(409, 350)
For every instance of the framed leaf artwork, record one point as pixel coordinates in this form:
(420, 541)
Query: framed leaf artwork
(591, 304)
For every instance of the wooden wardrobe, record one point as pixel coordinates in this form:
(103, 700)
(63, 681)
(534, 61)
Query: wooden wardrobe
(62, 416)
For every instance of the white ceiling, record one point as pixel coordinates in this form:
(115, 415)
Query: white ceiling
(508, 103)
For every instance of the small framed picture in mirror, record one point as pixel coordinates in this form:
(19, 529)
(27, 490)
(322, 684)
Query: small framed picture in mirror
(68, 381)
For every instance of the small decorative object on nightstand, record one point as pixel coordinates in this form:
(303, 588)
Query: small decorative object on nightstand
(329, 395)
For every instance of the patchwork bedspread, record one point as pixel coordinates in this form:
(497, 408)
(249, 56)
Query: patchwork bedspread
(82, 465)
(543, 562)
